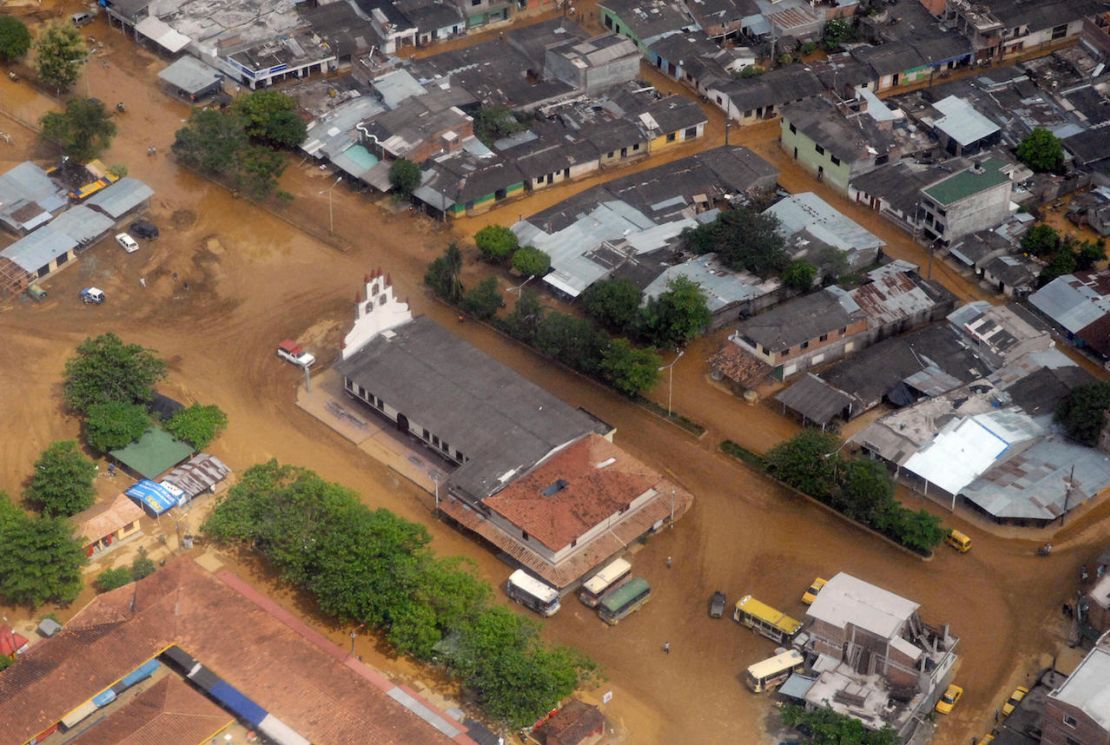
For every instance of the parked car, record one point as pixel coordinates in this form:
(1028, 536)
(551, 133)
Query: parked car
(811, 594)
(959, 541)
(127, 243)
(36, 293)
(1014, 700)
(144, 229)
(717, 605)
(92, 295)
(291, 351)
(950, 698)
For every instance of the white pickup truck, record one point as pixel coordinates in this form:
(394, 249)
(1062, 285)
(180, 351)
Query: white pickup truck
(291, 351)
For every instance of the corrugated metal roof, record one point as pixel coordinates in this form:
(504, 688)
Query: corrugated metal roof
(722, 287)
(807, 211)
(962, 122)
(121, 197)
(190, 75)
(38, 249)
(815, 400)
(1071, 302)
(82, 224)
(397, 86)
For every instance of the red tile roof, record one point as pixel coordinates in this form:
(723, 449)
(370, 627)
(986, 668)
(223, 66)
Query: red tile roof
(573, 491)
(270, 660)
(107, 517)
(170, 711)
(574, 723)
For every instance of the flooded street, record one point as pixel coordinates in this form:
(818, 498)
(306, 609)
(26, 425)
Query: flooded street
(254, 279)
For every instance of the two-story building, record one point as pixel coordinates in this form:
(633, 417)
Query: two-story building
(804, 332)
(645, 22)
(886, 666)
(752, 100)
(976, 198)
(1005, 28)
(833, 145)
(1078, 711)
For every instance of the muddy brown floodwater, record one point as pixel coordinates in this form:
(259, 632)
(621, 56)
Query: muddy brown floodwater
(255, 279)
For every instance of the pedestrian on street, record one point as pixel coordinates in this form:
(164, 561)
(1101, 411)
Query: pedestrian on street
(669, 562)
(666, 647)
(142, 281)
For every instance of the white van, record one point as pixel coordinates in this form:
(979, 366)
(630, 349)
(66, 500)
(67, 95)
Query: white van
(532, 593)
(81, 19)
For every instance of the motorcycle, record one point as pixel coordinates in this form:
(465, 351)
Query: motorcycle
(1044, 550)
(1083, 575)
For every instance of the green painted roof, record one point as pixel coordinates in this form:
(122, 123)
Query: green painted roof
(967, 183)
(155, 452)
(624, 594)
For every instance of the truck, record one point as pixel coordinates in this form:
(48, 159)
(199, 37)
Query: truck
(294, 353)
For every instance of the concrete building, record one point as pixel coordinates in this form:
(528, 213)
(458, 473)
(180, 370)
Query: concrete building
(645, 22)
(1078, 711)
(976, 198)
(804, 332)
(879, 661)
(696, 61)
(763, 97)
(107, 523)
(1007, 27)
(594, 65)
(835, 146)
(813, 228)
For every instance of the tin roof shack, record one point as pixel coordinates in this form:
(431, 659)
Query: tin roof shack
(418, 128)
(693, 59)
(1012, 276)
(28, 198)
(1079, 304)
(762, 97)
(1078, 711)
(645, 22)
(977, 198)
(895, 299)
(35, 256)
(834, 145)
(960, 128)
(191, 79)
(577, 507)
(892, 665)
(814, 229)
(577, 723)
(729, 295)
(804, 332)
(910, 46)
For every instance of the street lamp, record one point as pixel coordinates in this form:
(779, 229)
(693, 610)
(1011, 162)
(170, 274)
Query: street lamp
(353, 635)
(518, 287)
(670, 383)
(435, 480)
(331, 211)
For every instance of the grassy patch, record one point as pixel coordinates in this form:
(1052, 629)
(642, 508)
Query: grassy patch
(753, 459)
(687, 424)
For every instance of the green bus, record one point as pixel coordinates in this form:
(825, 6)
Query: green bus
(624, 600)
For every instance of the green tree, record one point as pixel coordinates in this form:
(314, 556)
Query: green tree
(800, 275)
(62, 483)
(614, 303)
(524, 321)
(494, 122)
(105, 369)
(1063, 262)
(84, 130)
(15, 39)
(826, 727)
(838, 31)
(198, 425)
(142, 566)
(918, 530)
(1082, 413)
(679, 314)
(628, 369)
(210, 142)
(866, 489)
(751, 71)
(270, 118)
(110, 579)
(531, 262)
(59, 55)
(483, 300)
(444, 275)
(1088, 253)
(744, 240)
(115, 424)
(257, 170)
(1041, 151)
(808, 462)
(571, 340)
(496, 243)
(1040, 240)
(404, 176)
(41, 560)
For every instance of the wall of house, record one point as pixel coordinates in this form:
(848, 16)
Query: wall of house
(981, 211)
(489, 201)
(481, 12)
(883, 207)
(428, 437)
(1052, 35)
(670, 139)
(815, 158)
(837, 343)
(435, 144)
(632, 151)
(576, 171)
(601, 78)
(1064, 724)
(612, 22)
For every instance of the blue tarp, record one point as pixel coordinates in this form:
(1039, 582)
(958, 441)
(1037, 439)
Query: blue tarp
(104, 698)
(238, 704)
(153, 496)
(142, 672)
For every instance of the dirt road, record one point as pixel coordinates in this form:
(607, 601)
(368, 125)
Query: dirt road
(254, 279)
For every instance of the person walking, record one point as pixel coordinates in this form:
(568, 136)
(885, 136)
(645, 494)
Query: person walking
(669, 562)
(666, 647)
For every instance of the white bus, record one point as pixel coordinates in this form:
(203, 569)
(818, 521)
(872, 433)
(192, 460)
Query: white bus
(770, 674)
(531, 593)
(595, 586)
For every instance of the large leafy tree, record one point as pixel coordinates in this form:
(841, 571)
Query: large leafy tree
(115, 424)
(271, 118)
(84, 129)
(743, 240)
(827, 727)
(496, 243)
(571, 340)
(444, 275)
(800, 275)
(197, 425)
(531, 262)
(494, 122)
(404, 176)
(1082, 413)
(1040, 240)
(62, 483)
(1041, 151)
(210, 142)
(678, 315)
(628, 369)
(483, 300)
(59, 55)
(258, 169)
(15, 39)
(40, 560)
(866, 489)
(106, 369)
(524, 321)
(808, 461)
(614, 303)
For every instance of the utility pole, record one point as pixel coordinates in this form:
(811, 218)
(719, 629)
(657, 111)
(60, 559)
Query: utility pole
(1067, 494)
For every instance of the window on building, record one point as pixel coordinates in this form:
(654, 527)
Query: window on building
(844, 331)
(445, 447)
(690, 133)
(574, 543)
(1070, 721)
(500, 194)
(942, 212)
(459, 456)
(835, 160)
(425, 432)
(435, 440)
(793, 130)
(820, 150)
(804, 345)
(881, 159)
(524, 534)
(1071, 741)
(636, 147)
(823, 337)
(671, 137)
(475, 3)
(1060, 32)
